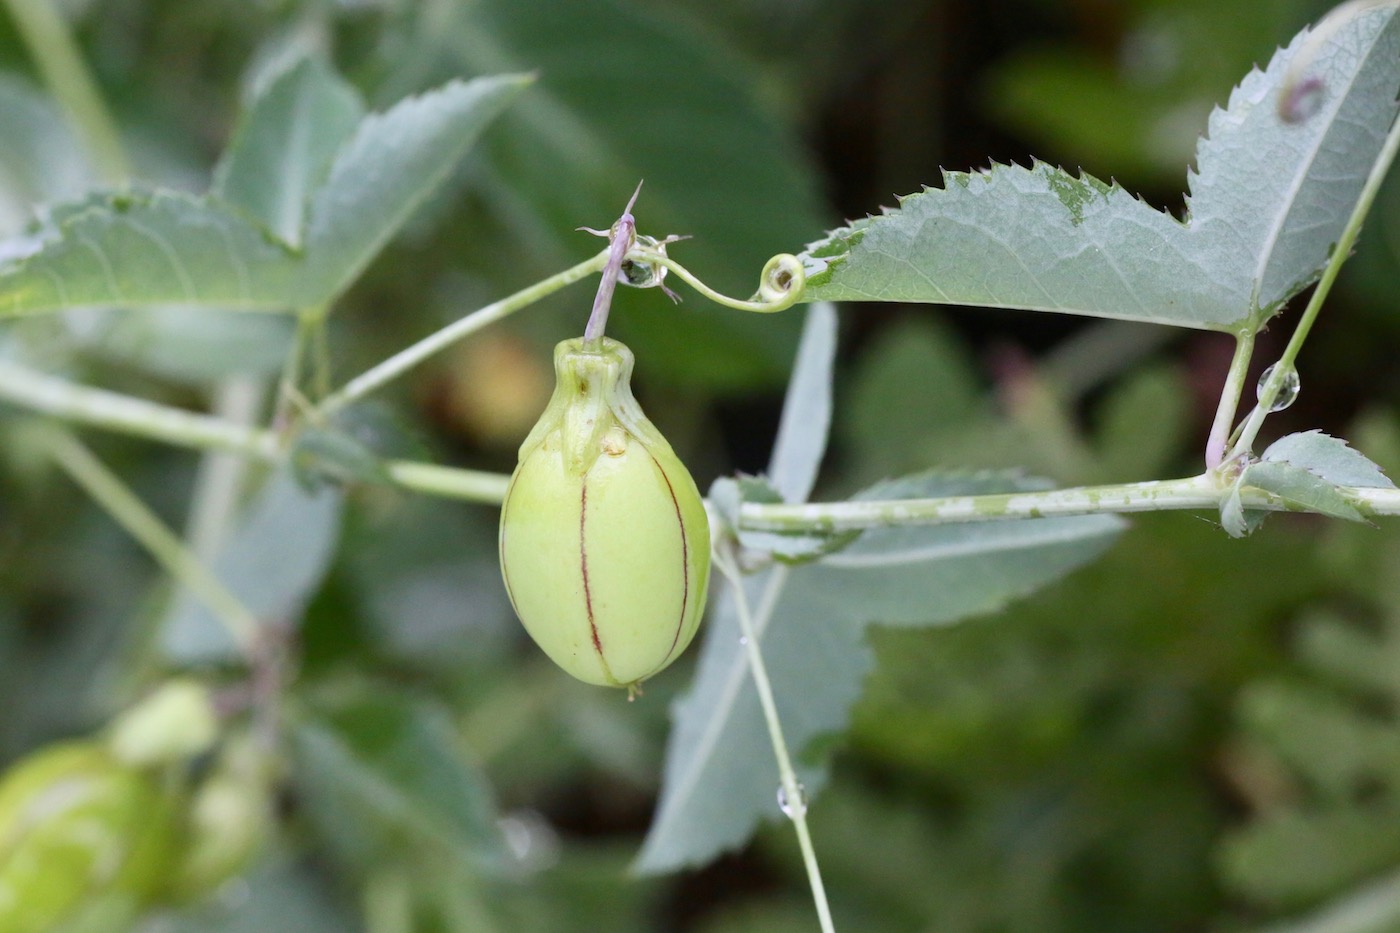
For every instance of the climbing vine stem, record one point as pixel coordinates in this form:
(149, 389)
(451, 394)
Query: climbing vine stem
(794, 800)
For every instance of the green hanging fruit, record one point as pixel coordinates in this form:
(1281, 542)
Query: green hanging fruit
(77, 826)
(605, 544)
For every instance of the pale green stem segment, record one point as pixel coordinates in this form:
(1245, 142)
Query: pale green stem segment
(1230, 399)
(71, 84)
(113, 411)
(411, 356)
(127, 415)
(1197, 492)
(1244, 442)
(146, 527)
(724, 562)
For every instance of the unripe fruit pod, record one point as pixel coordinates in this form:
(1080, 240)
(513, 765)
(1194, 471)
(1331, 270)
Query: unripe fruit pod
(229, 817)
(76, 826)
(605, 544)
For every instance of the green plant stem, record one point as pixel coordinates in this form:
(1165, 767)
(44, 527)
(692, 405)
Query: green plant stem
(792, 790)
(411, 356)
(116, 412)
(54, 52)
(147, 528)
(113, 411)
(1197, 492)
(1340, 253)
(1229, 399)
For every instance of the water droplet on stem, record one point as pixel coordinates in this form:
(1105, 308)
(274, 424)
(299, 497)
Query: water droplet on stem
(795, 807)
(1287, 393)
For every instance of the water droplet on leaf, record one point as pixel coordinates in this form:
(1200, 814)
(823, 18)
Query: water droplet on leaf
(795, 807)
(743, 641)
(1287, 393)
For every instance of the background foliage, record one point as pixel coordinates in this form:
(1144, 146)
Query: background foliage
(1148, 745)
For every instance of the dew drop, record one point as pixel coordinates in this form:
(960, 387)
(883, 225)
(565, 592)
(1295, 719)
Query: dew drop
(1287, 393)
(744, 640)
(795, 808)
(640, 274)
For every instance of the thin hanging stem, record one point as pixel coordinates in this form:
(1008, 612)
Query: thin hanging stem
(113, 411)
(796, 808)
(409, 357)
(146, 527)
(59, 61)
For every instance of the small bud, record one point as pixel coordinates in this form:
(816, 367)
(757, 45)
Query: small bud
(605, 545)
(77, 826)
(175, 721)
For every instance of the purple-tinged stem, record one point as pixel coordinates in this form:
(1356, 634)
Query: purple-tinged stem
(620, 239)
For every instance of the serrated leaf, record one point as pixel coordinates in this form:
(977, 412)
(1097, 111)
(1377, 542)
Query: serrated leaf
(387, 168)
(1301, 489)
(166, 248)
(272, 562)
(1269, 201)
(1328, 457)
(283, 146)
(806, 419)
(151, 248)
(383, 778)
(720, 779)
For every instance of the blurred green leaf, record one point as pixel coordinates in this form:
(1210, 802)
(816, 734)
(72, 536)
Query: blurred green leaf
(283, 147)
(279, 893)
(273, 562)
(40, 160)
(1142, 425)
(802, 432)
(384, 780)
(1266, 861)
(720, 779)
(386, 169)
(1319, 734)
(160, 248)
(198, 346)
(151, 248)
(428, 581)
(1042, 239)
